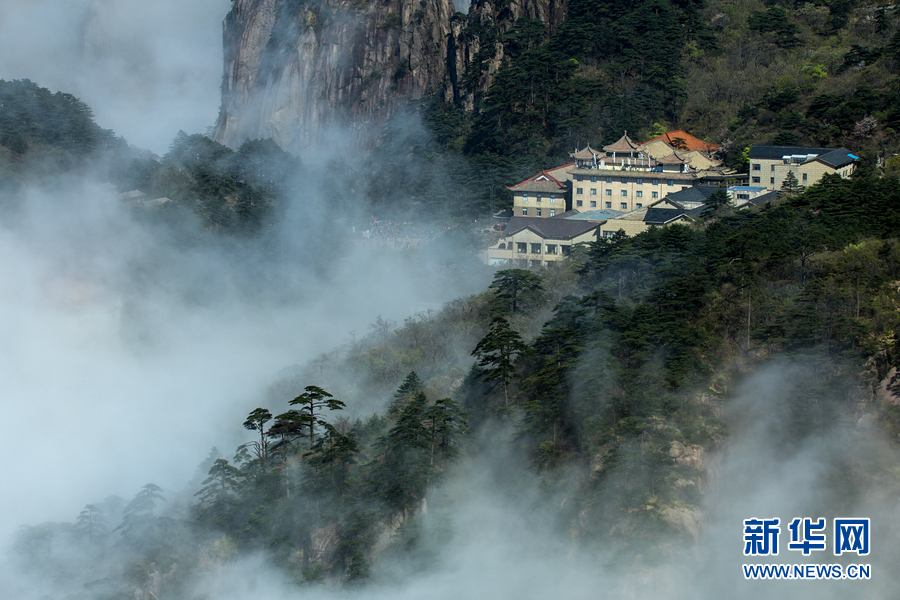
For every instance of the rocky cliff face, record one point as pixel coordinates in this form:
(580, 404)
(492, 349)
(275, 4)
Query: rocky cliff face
(296, 68)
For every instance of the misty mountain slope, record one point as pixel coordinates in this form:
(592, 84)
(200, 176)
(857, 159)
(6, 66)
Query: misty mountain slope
(654, 393)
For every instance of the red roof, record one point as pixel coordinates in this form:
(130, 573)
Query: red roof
(689, 141)
(540, 177)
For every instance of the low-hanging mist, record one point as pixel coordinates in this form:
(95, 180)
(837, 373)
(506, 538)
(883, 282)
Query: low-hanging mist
(146, 69)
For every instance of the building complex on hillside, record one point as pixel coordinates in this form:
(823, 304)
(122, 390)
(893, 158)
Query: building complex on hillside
(629, 187)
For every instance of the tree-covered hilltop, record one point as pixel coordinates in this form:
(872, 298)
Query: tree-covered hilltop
(607, 378)
(44, 136)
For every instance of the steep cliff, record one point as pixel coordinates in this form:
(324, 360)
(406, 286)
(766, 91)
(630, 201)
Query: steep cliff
(295, 68)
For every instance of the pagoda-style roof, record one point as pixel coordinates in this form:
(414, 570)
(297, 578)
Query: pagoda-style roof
(587, 154)
(624, 144)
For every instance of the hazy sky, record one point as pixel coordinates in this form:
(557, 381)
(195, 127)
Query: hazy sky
(147, 69)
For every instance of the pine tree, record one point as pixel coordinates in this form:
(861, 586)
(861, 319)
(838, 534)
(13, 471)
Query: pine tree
(497, 352)
(410, 386)
(311, 401)
(790, 186)
(515, 290)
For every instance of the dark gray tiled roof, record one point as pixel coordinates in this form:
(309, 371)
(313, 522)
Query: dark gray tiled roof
(697, 193)
(662, 216)
(837, 158)
(555, 228)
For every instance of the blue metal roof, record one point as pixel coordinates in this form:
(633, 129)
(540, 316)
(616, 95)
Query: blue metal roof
(602, 214)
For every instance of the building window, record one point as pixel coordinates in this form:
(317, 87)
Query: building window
(640, 194)
(552, 198)
(624, 193)
(578, 178)
(609, 233)
(579, 203)
(538, 212)
(593, 204)
(755, 179)
(593, 191)
(670, 182)
(593, 179)
(535, 248)
(579, 190)
(639, 205)
(772, 180)
(551, 249)
(609, 205)
(609, 180)
(552, 212)
(656, 182)
(624, 206)
(609, 192)
(772, 168)
(538, 198)
(655, 195)
(521, 247)
(804, 178)
(743, 196)
(639, 181)
(524, 211)
(756, 167)
(524, 197)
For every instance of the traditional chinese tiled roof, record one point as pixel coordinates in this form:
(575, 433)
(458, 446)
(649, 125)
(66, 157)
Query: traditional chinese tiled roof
(685, 141)
(623, 144)
(542, 182)
(673, 159)
(587, 154)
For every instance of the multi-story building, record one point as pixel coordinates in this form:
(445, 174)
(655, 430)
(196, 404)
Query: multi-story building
(543, 195)
(770, 165)
(624, 177)
(535, 242)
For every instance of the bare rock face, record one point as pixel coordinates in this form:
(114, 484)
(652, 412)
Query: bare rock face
(296, 69)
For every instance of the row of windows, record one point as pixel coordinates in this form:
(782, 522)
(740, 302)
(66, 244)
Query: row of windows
(523, 248)
(635, 180)
(622, 205)
(539, 213)
(623, 193)
(539, 197)
(804, 179)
